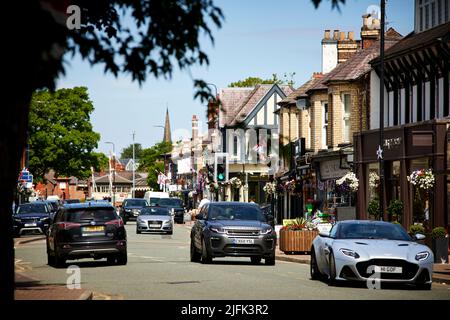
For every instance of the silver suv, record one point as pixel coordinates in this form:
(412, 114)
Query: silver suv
(232, 229)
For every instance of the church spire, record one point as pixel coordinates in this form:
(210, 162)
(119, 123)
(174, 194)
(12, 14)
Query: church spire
(167, 134)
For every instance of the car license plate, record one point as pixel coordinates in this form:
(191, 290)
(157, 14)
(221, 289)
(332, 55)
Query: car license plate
(92, 231)
(155, 226)
(243, 241)
(30, 224)
(388, 269)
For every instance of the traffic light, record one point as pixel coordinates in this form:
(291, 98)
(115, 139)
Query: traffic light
(221, 172)
(210, 171)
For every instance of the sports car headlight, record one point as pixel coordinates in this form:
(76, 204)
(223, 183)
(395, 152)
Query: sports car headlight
(216, 230)
(350, 253)
(265, 231)
(422, 256)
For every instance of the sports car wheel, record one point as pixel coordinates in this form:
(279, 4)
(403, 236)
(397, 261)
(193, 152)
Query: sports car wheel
(314, 270)
(332, 267)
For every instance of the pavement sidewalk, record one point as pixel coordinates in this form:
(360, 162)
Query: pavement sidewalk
(28, 288)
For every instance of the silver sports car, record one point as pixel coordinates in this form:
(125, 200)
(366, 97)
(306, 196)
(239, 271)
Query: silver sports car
(155, 219)
(371, 251)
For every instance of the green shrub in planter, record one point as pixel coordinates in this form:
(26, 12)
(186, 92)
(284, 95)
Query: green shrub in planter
(374, 208)
(438, 232)
(395, 209)
(440, 245)
(396, 222)
(416, 228)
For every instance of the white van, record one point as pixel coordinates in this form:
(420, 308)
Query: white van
(153, 196)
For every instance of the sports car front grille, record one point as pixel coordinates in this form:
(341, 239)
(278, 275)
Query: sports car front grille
(409, 270)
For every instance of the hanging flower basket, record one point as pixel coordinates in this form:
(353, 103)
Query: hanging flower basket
(290, 186)
(374, 180)
(348, 183)
(270, 188)
(235, 182)
(423, 179)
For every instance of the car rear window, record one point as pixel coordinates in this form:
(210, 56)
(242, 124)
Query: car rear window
(235, 212)
(83, 215)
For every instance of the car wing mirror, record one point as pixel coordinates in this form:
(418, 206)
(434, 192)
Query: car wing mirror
(419, 236)
(324, 234)
(199, 217)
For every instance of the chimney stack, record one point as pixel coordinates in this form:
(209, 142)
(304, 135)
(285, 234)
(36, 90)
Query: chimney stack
(370, 31)
(329, 51)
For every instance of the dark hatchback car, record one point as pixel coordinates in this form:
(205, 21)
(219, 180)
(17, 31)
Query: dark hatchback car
(31, 217)
(86, 230)
(174, 205)
(131, 208)
(232, 229)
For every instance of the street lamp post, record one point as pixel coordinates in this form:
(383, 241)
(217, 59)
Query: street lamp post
(114, 174)
(164, 160)
(380, 147)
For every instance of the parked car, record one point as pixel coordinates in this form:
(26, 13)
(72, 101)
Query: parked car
(52, 206)
(31, 218)
(154, 219)
(86, 230)
(174, 205)
(131, 208)
(363, 250)
(232, 229)
(68, 201)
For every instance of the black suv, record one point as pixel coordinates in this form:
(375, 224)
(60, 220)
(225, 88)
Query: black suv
(232, 229)
(173, 204)
(131, 208)
(86, 230)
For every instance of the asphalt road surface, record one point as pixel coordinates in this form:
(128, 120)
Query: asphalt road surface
(159, 268)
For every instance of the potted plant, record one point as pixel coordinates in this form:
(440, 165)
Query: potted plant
(439, 238)
(297, 236)
(374, 208)
(395, 210)
(416, 228)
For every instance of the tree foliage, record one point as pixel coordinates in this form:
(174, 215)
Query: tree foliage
(60, 133)
(127, 152)
(152, 161)
(253, 81)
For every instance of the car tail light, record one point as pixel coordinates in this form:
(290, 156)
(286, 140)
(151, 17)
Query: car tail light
(117, 223)
(68, 225)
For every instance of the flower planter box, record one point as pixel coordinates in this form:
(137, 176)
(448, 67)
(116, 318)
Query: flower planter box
(296, 241)
(440, 250)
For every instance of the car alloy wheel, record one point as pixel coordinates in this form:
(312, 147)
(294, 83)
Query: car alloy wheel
(206, 257)
(195, 256)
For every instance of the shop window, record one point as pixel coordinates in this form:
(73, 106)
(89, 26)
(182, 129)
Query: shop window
(421, 200)
(324, 125)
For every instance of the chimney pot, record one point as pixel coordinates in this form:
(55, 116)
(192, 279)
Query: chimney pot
(327, 34)
(342, 36)
(351, 35)
(336, 35)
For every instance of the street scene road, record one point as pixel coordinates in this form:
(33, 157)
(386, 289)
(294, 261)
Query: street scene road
(159, 268)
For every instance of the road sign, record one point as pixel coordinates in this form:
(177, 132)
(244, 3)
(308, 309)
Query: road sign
(26, 177)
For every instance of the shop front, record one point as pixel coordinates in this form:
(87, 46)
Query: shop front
(407, 150)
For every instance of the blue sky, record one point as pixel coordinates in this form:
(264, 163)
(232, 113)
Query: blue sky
(258, 38)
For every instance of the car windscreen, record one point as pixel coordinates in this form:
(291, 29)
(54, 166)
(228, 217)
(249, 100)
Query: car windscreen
(235, 212)
(93, 214)
(154, 201)
(155, 212)
(372, 231)
(169, 202)
(135, 203)
(32, 208)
